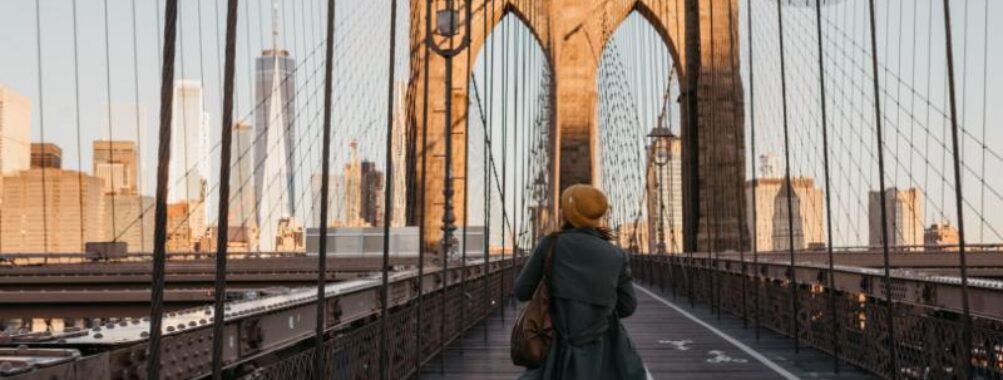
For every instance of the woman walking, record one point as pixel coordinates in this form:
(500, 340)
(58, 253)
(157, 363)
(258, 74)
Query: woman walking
(590, 290)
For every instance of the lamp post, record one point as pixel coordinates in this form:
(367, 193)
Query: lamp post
(446, 27)
(661, 156)
(661, 144)
(446, 20)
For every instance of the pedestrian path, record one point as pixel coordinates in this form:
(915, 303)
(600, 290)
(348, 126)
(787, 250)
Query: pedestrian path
(675, 341)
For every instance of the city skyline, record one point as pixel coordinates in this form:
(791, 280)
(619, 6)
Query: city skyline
(198, 63)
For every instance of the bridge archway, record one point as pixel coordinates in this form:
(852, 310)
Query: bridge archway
(486, 17)
(573, 34)
(638, 88)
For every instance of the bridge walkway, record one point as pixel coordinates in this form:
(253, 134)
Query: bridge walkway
(675, 341)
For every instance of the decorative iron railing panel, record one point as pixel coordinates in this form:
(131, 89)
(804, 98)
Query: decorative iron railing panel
(354, 353)
(927, 334)
(272, 337)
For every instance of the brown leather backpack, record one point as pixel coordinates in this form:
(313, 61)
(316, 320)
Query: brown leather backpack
(533, 331)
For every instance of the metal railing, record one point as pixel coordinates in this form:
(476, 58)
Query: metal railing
(927, 311)
(271, 337)
(34, 259)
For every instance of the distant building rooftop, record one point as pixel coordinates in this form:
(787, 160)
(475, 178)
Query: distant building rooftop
(46, 155)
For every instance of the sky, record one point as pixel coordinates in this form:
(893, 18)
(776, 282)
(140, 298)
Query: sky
(109, 76)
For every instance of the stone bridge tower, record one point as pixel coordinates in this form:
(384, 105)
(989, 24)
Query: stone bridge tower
(573, 34)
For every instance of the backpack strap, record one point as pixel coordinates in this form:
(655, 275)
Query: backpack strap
(548, 262)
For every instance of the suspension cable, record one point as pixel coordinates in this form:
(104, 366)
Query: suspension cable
(219, 295)
(828, 189)
(163, 162)
(388, 200)
(423, 197)
(890, 307)
(320, 353)
(754, 240)
(795, 333)
(966, 336)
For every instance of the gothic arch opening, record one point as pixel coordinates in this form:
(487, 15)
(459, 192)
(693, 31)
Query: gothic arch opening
(510, 91)
(638, 124)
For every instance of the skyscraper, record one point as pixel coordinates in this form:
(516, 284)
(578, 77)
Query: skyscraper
(904, 213)
(188, 180)
(806, 212)
(128, 216)
(15, 131)
(352, 198)
(399, 158)
(941, 237)
(46, 155)
(770, 228)
(333, 190)
(115, 163)
(242, 210)
(665, 193)
(46, 209)
(371, 206)
(362, 192)
(274, 122)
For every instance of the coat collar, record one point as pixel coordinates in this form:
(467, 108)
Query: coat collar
(585, 230)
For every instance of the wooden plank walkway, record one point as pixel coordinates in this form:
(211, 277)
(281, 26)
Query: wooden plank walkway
(675, 341)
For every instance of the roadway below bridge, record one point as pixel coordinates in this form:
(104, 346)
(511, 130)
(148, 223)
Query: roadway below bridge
(90, 289)
(194, 273)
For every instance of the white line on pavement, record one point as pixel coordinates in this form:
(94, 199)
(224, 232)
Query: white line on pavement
(748, 350)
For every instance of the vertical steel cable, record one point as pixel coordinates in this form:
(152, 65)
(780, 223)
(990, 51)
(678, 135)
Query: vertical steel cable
(76, 99)
(660, 68)
(139, 133)
(163, 163)
(388, 197)
(320, 368)
(111, 121)
(828, 189)
(504, 150)
(691, 139)
(525, 147)
(890, 307)
(740, 189)
(966, 336)
(422, 190)
(223, 220)
(754, 237)
(515, 148)
(487, 178)
(714, 223)
(466, 195)
(187, 172)
(41, 122)
(985, 97)
(787, 182)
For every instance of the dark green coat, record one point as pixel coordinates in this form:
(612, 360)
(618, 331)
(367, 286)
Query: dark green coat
(591, 289)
